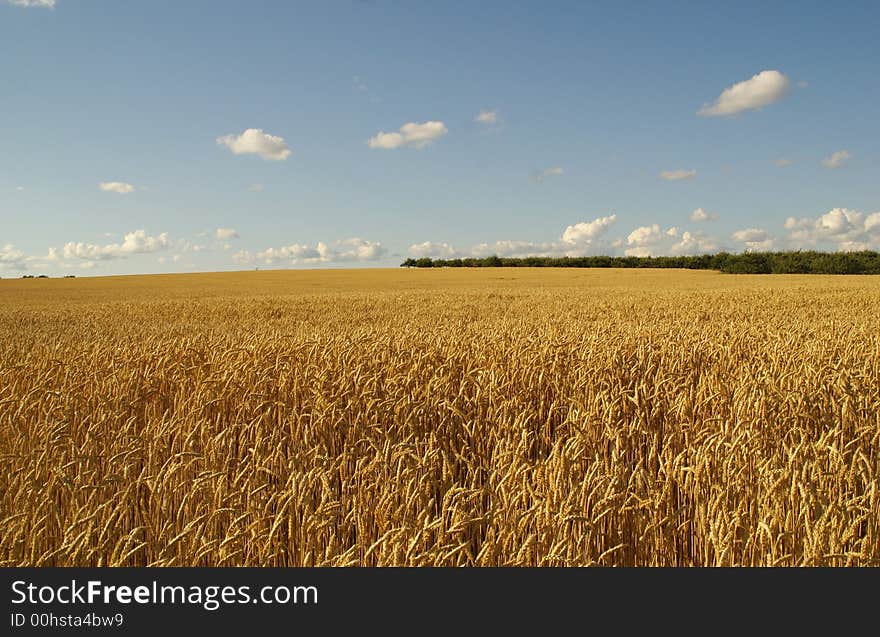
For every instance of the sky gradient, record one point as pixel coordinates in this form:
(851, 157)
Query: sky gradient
(192, 136)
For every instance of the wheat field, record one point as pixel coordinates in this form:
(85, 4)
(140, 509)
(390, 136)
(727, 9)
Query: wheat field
(528, 417)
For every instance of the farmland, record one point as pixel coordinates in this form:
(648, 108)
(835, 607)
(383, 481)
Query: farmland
(528, 417)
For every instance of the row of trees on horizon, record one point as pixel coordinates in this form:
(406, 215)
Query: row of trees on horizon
(798, 262)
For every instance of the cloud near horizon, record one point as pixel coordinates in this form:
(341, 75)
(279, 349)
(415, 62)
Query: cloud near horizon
(754, 239)
(137, 242)
(11, 258)
(653, 241)
(583, 239)
(578, 239)
(346, 250)
(845, 229)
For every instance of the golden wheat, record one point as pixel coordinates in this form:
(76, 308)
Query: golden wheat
(478, 417)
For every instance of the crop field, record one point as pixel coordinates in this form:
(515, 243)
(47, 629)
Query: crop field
(533, 417)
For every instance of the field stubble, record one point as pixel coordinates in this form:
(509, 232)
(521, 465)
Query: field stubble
(485, 417)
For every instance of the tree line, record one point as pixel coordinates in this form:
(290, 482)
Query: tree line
(799, 262)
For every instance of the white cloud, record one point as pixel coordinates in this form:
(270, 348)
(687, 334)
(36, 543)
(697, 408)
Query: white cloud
(487, 117)
(116, 186)
(555, 171)
(433, 250)
(586, 232)
(354, 249)
(760, 90)
(678, 175)
(346, 250)
(578, 239)
(254, 141)
(642, 240)
(699, 215)
(588, 238)
(224, 234)
(46, 4)
(836, 159)
(694, 243)
(137, 242)
(754, 239)
(749, 235)
(411, 135)
(782, 162)
(840, 228)
(839, 221)
(12, 258)
(256, 188)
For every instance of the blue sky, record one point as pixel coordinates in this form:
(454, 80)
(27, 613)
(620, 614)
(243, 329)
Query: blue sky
(126, 145)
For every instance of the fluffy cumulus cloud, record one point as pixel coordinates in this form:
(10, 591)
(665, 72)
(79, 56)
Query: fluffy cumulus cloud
(642, 242)
(652, 241)
(12, 258)
(839, 228)
(760, 90)
(754, 239)
(410, 135)
(352, 250)
(254, 141)
(487, 117)
(137, 242)
(119, 187)
(588, 232)
(678, 175)
(225, 234)
(45, 4)
(836, 159)
(699, 215)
